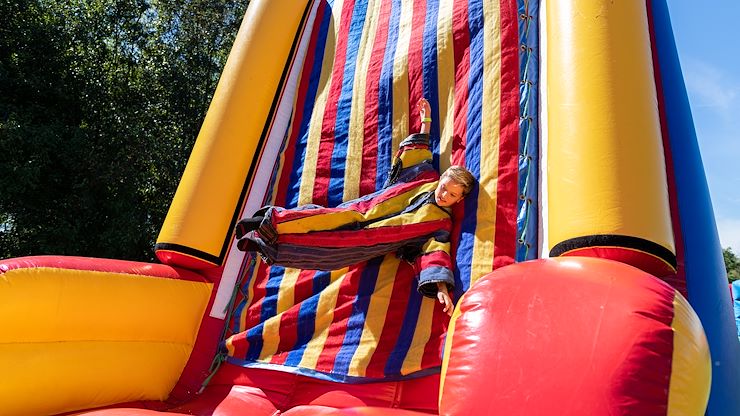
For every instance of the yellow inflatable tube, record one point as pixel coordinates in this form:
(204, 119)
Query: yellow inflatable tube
(198, 226)
(607, 187)
(74, 339)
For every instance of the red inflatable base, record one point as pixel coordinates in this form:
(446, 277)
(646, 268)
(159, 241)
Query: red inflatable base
(238, 391)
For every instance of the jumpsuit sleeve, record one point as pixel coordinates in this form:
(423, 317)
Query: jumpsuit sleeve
(434, 265)
(412, 151)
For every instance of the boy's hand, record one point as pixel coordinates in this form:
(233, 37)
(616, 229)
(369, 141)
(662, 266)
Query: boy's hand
(425, 110)
(444, 298)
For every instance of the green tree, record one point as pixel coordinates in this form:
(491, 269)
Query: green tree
(100, 103)
(732, 264)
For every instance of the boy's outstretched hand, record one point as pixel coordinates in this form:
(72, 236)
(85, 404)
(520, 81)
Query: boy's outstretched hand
(425, 110)
(444, 298)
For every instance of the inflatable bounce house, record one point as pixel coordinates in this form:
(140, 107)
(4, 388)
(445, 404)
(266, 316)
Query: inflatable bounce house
(588, 273)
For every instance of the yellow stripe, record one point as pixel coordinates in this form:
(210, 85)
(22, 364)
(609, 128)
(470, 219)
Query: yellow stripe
(332, 220)
(413, 157)
(308, 178)
(433, 245)
(482, 263)
(230, 346)
(691, 366)
(286, 293)
(324, 317)
(376, 314)
(426, 213)
(353, 163)
(445, 81)
(401, 76)
(270, 338)
(448, 345)
(423, 331)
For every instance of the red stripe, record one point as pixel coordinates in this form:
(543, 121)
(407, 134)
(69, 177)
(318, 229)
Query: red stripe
(304, 285)
(433, 348)
(240, 344)
(461, 42)
(289, 319)
(326, 144)
(370, 145)
(504, 251)
(432, 356)
(338, 329)
(435, 258)
(393, 320)
(416, 63)
(676, 279)
(289, 154)
(360, 238)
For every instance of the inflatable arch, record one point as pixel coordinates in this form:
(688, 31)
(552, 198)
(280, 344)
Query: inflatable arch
(589, 275)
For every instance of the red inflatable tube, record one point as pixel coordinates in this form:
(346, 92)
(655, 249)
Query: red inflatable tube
(574, 336)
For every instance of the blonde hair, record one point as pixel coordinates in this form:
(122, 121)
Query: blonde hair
(462, 176)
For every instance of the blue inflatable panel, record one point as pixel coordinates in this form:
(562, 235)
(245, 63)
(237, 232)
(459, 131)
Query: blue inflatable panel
(705, 270)
(736, 303)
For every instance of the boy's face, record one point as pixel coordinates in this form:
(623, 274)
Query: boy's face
(448, 192)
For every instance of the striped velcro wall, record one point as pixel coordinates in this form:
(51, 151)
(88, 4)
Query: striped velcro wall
(367, 63)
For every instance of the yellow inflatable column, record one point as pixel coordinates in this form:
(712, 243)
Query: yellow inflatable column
(197, 229)
(607, 187)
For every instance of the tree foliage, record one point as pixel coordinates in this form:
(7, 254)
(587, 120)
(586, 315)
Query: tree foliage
(100, 104)
(732, 264)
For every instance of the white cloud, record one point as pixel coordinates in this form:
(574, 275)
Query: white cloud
(709, 86)
(729, 233)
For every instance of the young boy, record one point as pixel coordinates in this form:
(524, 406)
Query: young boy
(410, 216)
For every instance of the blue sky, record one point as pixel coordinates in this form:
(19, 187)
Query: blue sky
(708, 41)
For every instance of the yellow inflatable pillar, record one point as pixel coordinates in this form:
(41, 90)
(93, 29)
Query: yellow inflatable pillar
(197, 230)
(607, 188)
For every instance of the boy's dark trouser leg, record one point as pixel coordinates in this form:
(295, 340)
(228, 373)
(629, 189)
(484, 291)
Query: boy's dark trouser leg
(246, 225)
(247, 244)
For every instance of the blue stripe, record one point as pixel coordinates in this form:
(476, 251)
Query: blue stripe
(706, 280)
(431, 76)
(300, 147)
(406, 335)
(344, 106)
(385, 99)
(255, 341)
(307, 319)
(272, 288)
(238, 311)
(473, 143)
(356, 321)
